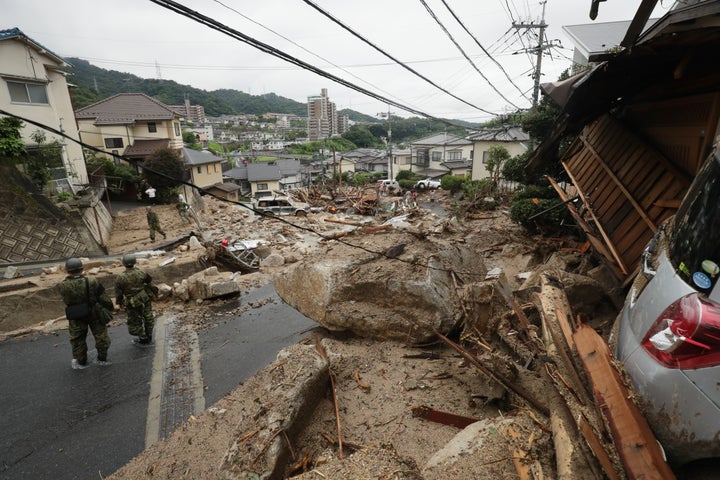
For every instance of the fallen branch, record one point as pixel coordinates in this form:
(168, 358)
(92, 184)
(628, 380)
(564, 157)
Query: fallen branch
(323, 354)
(496, 376)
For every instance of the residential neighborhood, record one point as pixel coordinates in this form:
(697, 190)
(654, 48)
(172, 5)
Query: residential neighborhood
(334, 294)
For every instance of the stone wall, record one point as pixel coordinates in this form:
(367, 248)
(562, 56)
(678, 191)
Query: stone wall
(34, 228)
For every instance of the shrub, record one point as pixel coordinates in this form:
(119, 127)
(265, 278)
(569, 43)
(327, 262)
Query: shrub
(451, 183)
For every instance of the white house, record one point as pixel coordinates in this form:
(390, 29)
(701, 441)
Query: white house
(33, 86)
(514, 139)
(430, 153)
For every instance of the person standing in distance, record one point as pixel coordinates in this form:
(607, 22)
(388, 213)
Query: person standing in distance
(134, 290)
(87, 306)
(150, 192)
(154, 223)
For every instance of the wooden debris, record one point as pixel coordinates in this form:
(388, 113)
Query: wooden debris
(519, 459)
(638, 448)
(359, 382)
(323, 354)
(509, 385)
(443, 418)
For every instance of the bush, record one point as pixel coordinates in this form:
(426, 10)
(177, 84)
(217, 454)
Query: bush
(451, 183)
(405, 175)
(514, 168)
(555, 214)
(479, 188)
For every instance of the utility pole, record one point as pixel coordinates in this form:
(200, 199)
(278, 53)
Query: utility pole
(389, 141)
(539, 49)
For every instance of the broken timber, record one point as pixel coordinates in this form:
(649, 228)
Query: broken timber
(638, 448)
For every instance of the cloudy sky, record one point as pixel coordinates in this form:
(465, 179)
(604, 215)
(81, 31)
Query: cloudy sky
(148, 40)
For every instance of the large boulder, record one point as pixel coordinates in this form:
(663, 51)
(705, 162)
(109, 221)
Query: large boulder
(404, 298)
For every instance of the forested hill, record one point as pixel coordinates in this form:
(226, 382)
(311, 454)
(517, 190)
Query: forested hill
(95, 83)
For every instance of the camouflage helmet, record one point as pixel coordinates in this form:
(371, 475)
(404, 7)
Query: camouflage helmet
(73, 265)
(128, 260)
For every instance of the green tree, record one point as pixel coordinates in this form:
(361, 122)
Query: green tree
(165, 171)
(361, 136)
(189, 137)
(496, 156)
(39, 160)
(514, 168)
(12, 147)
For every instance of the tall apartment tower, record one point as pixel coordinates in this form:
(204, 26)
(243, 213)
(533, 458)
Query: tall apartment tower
(322, 117)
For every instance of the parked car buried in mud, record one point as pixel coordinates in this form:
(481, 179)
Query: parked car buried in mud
(668, 336)
(280, 206)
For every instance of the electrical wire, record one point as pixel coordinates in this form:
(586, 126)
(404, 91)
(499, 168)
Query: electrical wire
(203, 191)
(215, 25)
(412, 70)
(306, 50)
(437, 20)
(457, 19)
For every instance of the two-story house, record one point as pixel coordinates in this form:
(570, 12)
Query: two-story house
(430, 153)
(133, 125)
(205, 168)
(514, 139)
(264, 178)
(33, 86)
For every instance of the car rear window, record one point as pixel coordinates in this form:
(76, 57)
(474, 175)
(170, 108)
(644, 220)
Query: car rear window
(695, 241)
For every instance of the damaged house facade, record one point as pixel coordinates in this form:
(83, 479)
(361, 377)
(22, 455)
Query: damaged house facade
(642, 121)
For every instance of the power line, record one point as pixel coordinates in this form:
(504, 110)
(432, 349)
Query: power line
(304, 49)
(437, 20)
(363, 39)
(481, 47)
(215, 25)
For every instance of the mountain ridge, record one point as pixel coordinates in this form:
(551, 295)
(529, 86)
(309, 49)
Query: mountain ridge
(93, 84)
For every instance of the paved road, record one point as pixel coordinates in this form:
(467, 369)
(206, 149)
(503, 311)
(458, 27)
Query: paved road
(67, 424)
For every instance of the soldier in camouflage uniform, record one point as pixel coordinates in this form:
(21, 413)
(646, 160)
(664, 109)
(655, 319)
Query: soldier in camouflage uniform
(74, 291)
(135, 291)
(154, 223)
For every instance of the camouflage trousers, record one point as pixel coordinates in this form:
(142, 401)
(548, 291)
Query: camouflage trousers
(140, 320)
(78, 330)
(156, 228)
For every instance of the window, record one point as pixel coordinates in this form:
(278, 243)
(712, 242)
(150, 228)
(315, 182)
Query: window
(152, 127)
(177, 129)
(215, 167)
(262, 186)
(199, 169)
(456, 155)
(27, 92)
(437, 156)
(113, 143)
(485, 157)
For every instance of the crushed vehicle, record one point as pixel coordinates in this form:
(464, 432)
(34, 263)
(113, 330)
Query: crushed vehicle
(668, 332)
(390, 186)
(428, 184)
(278, 205)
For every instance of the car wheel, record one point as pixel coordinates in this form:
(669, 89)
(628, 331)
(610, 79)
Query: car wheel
(269, 213)
(301, 213)
(421, 186)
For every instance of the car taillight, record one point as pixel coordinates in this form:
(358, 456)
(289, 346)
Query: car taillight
(686, 335)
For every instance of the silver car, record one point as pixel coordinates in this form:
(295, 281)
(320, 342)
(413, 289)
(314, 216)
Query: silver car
(669, 329)
(280, 206)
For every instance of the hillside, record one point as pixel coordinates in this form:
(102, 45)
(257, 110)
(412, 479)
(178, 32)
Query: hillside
(95, 83)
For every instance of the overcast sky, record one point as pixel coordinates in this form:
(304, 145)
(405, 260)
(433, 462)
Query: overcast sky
(150, 41)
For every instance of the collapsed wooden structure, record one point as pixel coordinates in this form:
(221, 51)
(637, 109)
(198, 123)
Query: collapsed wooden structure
(643, 121)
